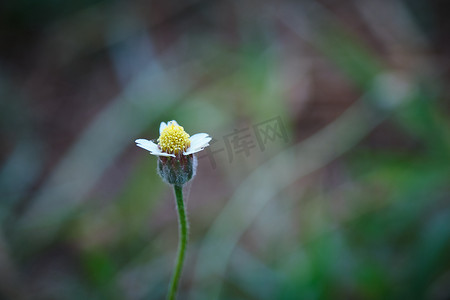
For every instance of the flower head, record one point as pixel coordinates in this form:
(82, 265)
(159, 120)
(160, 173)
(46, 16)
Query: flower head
(175, 148)
(174, 141)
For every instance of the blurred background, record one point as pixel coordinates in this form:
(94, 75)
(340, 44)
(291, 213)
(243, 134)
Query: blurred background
(328, 176)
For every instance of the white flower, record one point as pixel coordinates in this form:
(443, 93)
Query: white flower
(173, 141)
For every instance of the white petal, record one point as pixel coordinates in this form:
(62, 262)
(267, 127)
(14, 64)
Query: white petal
(147, 145)
(192, 151)
(162, 126)
(172, 122)
(151, 147)
(198, 146)
(199, 140)
(198, 136)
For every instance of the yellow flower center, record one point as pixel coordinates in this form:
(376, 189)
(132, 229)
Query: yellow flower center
(173, 139)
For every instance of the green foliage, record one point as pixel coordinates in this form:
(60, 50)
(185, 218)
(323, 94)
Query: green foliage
(354, 206)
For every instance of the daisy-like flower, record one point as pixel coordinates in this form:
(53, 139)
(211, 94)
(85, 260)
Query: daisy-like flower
(174, 141)
(175, 149)
(176, 165)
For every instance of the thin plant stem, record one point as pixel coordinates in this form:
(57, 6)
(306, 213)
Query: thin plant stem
(183, 235)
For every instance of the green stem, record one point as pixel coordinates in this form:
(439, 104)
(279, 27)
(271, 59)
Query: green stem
(183, 222)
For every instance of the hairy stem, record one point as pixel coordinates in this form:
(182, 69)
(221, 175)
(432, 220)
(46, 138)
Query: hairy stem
(183, 235)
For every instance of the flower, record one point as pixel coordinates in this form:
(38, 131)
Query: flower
(175, 150)
(174, 141)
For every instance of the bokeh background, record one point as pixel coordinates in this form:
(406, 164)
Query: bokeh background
(329, 173)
